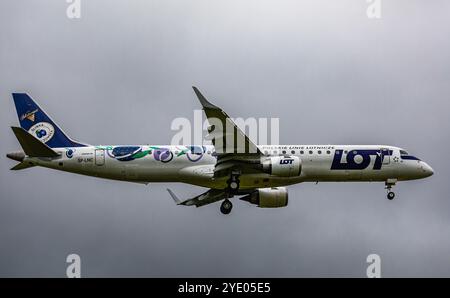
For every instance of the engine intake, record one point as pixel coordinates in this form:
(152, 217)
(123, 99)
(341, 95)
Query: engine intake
(274, 197)
(283, 166)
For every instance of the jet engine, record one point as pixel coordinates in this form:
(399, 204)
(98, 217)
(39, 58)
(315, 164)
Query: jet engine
(274, 197)
(282, 166)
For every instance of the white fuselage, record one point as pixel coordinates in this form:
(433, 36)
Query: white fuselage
(195, 164)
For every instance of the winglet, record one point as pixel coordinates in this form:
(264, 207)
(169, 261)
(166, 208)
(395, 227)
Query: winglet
(205, 103)
(174, 197)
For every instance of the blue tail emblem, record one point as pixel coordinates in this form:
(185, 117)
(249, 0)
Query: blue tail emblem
(34, 120)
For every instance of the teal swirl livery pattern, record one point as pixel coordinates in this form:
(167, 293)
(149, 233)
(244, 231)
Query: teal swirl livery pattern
(162, 154)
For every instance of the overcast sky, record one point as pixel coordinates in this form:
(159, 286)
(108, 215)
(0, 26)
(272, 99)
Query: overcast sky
(122, 72)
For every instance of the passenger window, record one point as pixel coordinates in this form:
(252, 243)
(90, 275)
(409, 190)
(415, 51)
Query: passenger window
(310, 152)
(320, 152)
(293, 152)
(284, 152)
(301, 152)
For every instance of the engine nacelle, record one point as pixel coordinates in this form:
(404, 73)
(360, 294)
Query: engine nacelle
(282, 166)
(274, 197)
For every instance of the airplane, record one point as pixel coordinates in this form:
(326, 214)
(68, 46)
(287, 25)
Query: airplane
(256, 174)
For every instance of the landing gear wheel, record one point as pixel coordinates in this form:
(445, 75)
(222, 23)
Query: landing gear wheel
(226, 207)
(389, 183)
(391, 195)
(234, 184)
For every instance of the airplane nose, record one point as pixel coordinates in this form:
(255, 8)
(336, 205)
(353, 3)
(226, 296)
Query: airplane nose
(427, 171)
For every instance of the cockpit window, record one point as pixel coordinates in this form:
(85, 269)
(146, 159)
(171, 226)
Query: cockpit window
(403, 152)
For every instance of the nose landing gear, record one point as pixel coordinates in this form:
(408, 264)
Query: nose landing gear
(391, 195)
(389, 184)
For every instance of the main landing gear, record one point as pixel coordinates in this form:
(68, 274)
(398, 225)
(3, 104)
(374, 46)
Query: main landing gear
(389, 183)
(233, 182)
(232, 189)
(226, 206)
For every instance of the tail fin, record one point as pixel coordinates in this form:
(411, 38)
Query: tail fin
(34, 120)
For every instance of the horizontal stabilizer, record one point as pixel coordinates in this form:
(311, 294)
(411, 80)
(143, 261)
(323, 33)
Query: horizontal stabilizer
(21, 166)
(32, 146)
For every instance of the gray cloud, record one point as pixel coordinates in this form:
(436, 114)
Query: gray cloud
(122, 72)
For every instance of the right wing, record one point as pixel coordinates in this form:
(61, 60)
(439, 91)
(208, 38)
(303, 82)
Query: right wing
(235, 152)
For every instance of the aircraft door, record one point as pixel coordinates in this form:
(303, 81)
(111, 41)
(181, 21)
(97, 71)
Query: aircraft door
(99, 157)
(385, 157)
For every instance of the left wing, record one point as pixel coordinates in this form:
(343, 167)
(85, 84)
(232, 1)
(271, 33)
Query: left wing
(211, 196)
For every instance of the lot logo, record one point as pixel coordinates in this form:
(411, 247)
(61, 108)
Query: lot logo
(44, 131)
(286, 161)
(359, 159)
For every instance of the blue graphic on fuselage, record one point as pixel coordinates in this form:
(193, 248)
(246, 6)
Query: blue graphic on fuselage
(351, 164)
(163, 154)
(125, 153)
(195, 153)
(69, 153)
